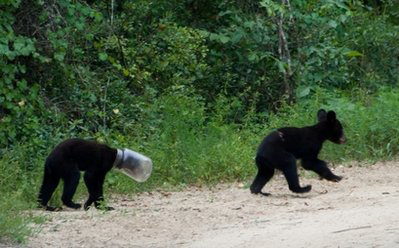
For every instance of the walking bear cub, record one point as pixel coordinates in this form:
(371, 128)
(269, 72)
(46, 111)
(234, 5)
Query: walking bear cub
(66, 161)
(280, 150)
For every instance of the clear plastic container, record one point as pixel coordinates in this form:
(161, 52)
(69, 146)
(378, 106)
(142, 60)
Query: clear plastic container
(134, 165)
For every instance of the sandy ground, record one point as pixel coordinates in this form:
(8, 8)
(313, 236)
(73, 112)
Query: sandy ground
(359, 211)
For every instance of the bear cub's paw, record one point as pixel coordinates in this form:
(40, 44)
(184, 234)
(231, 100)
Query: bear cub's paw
(51, 209)
(335, 178)
(301, 190)
(73, 205)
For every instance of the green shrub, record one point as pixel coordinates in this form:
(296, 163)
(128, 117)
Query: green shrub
(18, 184)
(190, 144)
(187, 145)
(195, 85)
(369, 122)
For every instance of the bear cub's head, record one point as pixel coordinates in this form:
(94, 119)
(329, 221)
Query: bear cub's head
(335, 132)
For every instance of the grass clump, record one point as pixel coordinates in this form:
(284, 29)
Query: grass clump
(193, 144)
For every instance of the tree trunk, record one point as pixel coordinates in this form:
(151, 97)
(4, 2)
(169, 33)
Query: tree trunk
(284, 54)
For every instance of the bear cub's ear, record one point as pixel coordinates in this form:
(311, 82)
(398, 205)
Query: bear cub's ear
(331, 116)
(321, 115)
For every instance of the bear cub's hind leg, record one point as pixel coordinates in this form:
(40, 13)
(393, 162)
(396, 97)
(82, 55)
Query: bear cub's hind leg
(263, 176)
(265, 173)
(71, 182)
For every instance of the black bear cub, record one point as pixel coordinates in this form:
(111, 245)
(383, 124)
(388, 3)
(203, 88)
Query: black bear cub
(280, 150)
(66, 161)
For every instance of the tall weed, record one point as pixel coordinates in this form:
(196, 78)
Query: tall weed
(16, 195)
(192, 145)
(369, 121)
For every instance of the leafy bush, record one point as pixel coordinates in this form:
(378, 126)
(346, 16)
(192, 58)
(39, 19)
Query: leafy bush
(189, 144)
(17, 193)
(186, 144)
(195, 85)
(368, 119)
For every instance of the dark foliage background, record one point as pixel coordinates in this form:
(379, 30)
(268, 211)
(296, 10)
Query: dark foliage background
(194, 84)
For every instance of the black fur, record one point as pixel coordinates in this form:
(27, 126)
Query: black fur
(281, 148)
(66, 161)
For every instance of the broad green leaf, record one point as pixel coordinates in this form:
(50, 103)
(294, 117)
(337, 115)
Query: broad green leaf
(252, 57)
(237, 36)
(332, 24)
(303, 91)
(213, 36)
(353, 53)
(18, 44)
(224, 39)
(223, 13)
(249, 24)
(4, 49)
(59, 56)
(102, 56)
(281, 66)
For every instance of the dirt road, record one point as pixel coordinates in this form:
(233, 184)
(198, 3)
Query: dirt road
(360, 211)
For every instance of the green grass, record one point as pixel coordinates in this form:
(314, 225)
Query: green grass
(189, 146)
(17, 191)
(370, 123)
